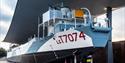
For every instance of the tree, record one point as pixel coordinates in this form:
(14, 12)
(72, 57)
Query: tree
(3, 52)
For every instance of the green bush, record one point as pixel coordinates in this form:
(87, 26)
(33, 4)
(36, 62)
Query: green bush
(2, 52)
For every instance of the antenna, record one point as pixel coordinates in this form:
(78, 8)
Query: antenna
(62, 4)
(38, 27)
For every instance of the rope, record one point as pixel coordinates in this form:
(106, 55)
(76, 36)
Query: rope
(54, 52)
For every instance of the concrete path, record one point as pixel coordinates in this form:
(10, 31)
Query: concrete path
(3, 60)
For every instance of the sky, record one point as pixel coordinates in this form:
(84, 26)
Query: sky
(7, 8)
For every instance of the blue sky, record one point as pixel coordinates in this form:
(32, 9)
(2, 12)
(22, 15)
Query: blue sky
(7, 8)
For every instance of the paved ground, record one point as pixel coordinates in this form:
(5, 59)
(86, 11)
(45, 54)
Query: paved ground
(3, 60)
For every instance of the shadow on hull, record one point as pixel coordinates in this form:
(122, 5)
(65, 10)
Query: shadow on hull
(54, 56)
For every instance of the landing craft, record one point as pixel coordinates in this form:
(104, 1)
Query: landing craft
(69, 32)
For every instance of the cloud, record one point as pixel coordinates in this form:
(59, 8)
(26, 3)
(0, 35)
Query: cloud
(10, 3)
(4, 17)
(4, 25)
(1, 36)
(7, 8)
(3, 44)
